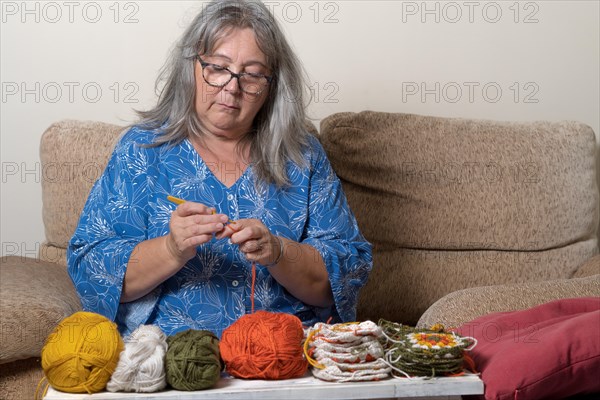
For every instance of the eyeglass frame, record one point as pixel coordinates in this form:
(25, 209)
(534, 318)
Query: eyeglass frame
(204, 64)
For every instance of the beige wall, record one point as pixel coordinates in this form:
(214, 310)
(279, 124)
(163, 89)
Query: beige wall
(504, 60)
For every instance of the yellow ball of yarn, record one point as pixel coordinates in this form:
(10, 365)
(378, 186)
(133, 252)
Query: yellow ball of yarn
(81, 353)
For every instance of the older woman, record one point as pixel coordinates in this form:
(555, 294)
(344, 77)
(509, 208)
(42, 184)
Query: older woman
(264, 224)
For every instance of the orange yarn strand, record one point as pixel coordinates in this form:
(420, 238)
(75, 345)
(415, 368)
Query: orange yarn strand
(252, 287)
(470, 363)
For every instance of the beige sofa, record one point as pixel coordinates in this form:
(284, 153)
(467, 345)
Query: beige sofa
(466, 217)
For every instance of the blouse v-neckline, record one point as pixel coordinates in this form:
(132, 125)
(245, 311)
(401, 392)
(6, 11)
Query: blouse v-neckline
(203, 163)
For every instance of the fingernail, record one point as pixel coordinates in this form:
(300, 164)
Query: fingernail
(224, 218)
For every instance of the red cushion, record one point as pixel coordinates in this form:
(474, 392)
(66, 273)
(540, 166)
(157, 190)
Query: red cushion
(549, 351)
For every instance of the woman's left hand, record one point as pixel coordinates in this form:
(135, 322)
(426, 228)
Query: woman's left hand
(254, 240)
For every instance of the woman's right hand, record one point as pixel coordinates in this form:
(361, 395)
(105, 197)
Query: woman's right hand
(191, 225)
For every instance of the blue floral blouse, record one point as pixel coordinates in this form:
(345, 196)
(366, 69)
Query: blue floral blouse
(128, 204)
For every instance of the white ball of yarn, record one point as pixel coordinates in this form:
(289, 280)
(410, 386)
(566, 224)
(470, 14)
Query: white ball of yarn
(141, 366)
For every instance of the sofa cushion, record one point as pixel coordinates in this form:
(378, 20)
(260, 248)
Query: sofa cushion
(73, 156)
(549, 351)
(464, 305)
(19, 379)
(34, 297)
(589, 268)
(430, 191)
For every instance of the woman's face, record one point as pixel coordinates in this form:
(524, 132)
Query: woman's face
(228, 112)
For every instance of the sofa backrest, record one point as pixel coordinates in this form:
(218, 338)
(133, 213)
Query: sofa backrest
(451, 203)
(73, 155)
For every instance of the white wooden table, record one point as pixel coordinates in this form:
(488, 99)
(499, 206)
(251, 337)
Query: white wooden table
(302, 388)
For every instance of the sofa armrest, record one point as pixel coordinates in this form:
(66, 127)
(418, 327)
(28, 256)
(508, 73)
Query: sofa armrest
(465, 305)
(34, 297)
(591, 267)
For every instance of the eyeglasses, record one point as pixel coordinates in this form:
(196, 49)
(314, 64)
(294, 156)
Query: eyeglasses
(219, 76)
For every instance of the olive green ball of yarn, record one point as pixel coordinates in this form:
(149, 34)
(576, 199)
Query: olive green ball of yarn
(193, 361)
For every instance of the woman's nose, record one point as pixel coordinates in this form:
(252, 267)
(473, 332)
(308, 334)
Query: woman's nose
(233, 86)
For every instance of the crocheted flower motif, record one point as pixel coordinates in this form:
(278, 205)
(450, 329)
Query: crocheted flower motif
(434, 341)
(422, 352)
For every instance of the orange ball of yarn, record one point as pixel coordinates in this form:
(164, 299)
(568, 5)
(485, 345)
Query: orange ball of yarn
(81, 353)
(264, 345)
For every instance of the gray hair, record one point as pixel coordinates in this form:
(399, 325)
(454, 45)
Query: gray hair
(279, 129)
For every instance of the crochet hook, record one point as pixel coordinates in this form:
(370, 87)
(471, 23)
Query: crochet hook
(175, 200)
(178, 201)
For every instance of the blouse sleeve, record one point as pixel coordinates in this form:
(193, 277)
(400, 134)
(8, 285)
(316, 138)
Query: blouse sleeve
(112, 223)
(333, 231)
